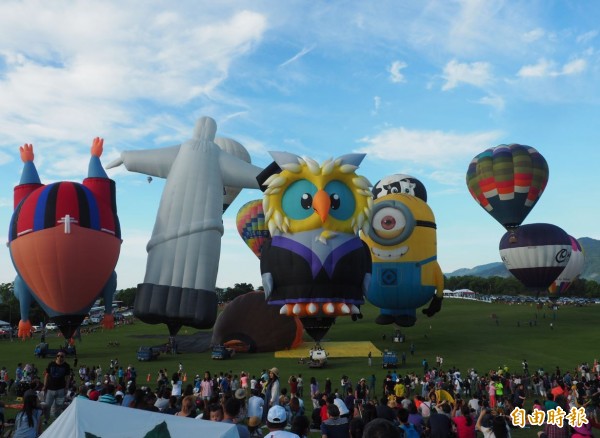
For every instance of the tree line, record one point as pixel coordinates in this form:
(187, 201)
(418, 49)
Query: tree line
(511, 286)
(9, 305)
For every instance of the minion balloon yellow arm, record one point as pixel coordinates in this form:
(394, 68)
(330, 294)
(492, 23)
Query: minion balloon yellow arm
(435, 305)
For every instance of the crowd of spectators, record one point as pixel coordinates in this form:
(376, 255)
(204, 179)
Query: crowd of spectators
(438, 403)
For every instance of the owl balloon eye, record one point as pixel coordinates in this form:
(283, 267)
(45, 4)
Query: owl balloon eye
(342, 199)
(297, 199)
(306, 201)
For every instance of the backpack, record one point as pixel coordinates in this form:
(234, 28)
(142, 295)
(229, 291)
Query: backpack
(410, 431)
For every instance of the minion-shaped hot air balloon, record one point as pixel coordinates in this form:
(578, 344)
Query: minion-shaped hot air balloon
(406, 274)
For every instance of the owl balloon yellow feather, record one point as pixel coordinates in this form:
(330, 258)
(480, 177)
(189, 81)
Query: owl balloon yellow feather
(316, 267)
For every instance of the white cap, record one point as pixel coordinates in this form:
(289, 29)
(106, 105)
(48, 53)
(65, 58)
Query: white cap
(277, 415)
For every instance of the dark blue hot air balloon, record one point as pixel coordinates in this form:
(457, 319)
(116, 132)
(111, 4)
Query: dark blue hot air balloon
(536, 254)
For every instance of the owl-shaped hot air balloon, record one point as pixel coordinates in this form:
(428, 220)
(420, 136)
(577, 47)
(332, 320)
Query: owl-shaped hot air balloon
(315, 267)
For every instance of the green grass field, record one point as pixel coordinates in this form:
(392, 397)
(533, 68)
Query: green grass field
(464, 333)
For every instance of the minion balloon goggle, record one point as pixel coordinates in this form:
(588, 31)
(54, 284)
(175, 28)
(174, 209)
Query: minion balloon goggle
(393, 222)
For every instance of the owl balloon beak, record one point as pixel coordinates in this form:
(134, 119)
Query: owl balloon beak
(322, 204)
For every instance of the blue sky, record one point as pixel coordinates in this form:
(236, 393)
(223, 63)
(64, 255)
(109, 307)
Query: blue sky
(421, 87)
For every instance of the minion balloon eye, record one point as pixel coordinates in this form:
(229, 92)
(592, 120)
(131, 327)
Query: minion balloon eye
(392, 223)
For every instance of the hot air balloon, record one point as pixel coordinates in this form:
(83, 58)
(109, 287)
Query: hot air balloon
(538, 255)
(252, 227)
(573, 270)
(249, 324)
(406, 274)
(316, 267)
(184, 250)
(64, 241)
(507, 181)
(399, 183)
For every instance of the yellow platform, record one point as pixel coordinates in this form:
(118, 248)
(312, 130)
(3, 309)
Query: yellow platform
(334, 349)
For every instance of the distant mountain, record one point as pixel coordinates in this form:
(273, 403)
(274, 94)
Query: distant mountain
(591, 268)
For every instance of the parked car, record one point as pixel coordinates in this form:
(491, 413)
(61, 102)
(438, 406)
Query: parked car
(6, 331)
(221, 352)
(51, 327)
(95, 319)
(148, 353)
(390, 359)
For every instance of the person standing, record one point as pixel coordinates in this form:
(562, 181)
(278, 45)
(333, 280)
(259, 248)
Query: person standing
(300, 386)
(56, 381)
(272, 390)
(370, 359)
(206, 387)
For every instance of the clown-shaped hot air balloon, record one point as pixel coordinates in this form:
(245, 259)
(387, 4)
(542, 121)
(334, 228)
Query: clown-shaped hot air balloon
(64, 241)
(316, 267)
(573, 270)
(507, 181)
(402, 239)
(536, 254)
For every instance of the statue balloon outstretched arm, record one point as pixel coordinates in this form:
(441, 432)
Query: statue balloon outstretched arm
(155, 162)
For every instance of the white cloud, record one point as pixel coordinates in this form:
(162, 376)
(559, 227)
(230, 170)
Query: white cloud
(432, 148)
(297, 56)
(6, 202)
(64, 76)
(376, 104)
(533, 35)
(541, 69)
(587, 37)
(494, 101)
(395, 71)
(475, 73)
(574, 67)
(448, 178)
(545, 68)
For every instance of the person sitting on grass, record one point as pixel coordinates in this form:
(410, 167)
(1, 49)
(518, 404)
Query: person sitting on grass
(28, 422)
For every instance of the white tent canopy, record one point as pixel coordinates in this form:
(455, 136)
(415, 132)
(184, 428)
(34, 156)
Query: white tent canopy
(103, 420)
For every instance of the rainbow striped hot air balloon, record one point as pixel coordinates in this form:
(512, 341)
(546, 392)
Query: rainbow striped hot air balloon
(507, 181)
(250, 222)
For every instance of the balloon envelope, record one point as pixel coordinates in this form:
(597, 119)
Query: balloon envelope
(399, 183)
(573, 269)
(249, 324)
(251, 225)
(536, 254)
(61, 247)
(234, 148)
(507, 181)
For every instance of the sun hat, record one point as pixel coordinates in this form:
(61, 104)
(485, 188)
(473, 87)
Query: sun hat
(275, 371)
(240, 394)
(277, 415)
